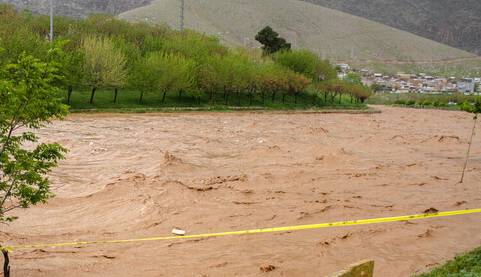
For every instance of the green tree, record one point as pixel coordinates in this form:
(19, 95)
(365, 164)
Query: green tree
(359, 91)
(271, 41)
(104, 65)
(193, 45)
(233, 73)
(307, 63)
(143, 76)
(70, 67)
(28, 101)
(353, 78)
(296, 84)
(207, 76)
(273, 79)
(163, 72)
(176, 73)
(377, 87)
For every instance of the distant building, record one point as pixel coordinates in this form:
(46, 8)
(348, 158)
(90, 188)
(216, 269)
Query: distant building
(466, 85)
(364, 72)
(403, 76)
(343, 67)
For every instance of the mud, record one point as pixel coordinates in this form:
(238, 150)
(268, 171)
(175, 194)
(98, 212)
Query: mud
(131, 176)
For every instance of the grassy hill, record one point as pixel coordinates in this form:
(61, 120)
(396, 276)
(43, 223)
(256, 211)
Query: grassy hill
(78, 8)
(453, 22)
(332, 34)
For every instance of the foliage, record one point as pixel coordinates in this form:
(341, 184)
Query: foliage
(104, 65)
(29, 100)
(354, 78)
(335, 88)
(175, 72)
(307, 63)
(271, 41)
(104, 53)
(163, 72)
(445, 101)
(468, 265)
(472, 108)
(193, 45)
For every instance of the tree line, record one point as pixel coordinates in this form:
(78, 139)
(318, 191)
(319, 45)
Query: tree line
(105, 53)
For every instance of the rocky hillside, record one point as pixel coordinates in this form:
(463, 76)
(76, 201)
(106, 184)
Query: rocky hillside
(453, 22)
(78, 8)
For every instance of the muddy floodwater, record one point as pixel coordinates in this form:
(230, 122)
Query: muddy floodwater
(141, 175)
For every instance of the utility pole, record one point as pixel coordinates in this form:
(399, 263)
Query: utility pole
(51, 21)
(182, 8)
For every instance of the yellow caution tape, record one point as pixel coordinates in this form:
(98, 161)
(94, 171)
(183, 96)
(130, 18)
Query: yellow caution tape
(253, 231)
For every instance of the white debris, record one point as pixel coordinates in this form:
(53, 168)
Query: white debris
(178, 232)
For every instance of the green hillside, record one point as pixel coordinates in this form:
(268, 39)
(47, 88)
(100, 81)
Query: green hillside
(332, 34)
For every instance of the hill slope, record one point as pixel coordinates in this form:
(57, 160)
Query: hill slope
(78, 8)
(453, 22)
(330, 33)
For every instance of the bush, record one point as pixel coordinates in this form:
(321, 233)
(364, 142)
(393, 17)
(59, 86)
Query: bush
(427, 103)
(410, 102)
(306, 63)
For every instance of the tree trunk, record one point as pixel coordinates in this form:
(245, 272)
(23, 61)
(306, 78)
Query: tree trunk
(141, 99)
(92, 95)
(115, 94)
(273, 97)
(263, 98)
(69, 94)
(180, 94)
(340, 98)
(6, 264)
(251, 95)
(283, 98)
(325, 96)
(163, 97)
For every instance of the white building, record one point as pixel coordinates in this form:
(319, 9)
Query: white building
(466, 85)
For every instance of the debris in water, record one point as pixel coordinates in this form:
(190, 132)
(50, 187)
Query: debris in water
(431, 211)
(267, 268)
(178, 232)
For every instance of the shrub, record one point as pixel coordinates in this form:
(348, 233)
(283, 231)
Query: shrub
(427, 103)
(306, 63)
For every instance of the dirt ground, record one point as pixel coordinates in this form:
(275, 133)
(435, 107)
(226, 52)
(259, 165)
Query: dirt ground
(132, 176)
